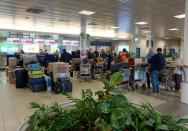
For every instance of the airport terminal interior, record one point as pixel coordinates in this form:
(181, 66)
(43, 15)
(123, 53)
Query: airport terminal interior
(93, 65)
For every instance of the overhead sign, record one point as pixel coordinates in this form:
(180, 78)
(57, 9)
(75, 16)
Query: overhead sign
(26, 41)
(13, 40)
(66, 42)
(38, 41)
(75, 42)
(49, 42)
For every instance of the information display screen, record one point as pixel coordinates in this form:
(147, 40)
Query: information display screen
(31, 48)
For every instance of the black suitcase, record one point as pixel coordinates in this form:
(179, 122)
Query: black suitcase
(21, 77)
(63, 84)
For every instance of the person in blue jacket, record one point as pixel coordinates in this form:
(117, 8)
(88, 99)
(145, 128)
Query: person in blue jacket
(157, 64)
(65, 56)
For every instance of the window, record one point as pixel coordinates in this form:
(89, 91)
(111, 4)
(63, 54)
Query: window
(121, 47)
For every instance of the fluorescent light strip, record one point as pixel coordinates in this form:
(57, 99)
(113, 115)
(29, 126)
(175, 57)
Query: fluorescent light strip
(141, 23)
(86, 12)
(174, 29)
(115, 27)
(180, 16)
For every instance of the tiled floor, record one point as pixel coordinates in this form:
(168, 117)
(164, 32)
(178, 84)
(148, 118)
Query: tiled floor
(14, 103)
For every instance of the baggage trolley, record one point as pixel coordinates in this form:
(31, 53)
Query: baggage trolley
(85, 72)
(166, 78)
(98, 70)
(140, 77)
(126, 79)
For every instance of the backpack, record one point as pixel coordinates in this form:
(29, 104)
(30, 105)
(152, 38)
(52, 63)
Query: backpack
(161, 62)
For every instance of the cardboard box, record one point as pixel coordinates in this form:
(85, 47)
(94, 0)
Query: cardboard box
(60, 67)
(12, 61)
(11, 77)
(50, 67)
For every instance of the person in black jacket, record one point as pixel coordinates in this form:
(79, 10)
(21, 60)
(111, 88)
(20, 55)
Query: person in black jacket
(157, 63)
(66, 57)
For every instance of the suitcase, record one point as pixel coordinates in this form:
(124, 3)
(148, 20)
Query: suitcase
(34, 81)
(38, 87)
(63, 84)
(34, 67)
(21, 77)
(36, 74)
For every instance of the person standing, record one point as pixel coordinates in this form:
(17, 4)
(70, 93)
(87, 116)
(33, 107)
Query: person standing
(123, 56)
(148, 56)
(65, 56)
(177, 71)
(157, 63)
(103, 54)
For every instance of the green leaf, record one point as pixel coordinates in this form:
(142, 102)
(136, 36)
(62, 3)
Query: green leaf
(119, 101)
(105, 107)
(116, 78)
(162, 127)
(145, 124)
(118, 118)
(182, 122)
(35, 105)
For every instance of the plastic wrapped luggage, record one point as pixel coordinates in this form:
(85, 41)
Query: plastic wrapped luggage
(34, 67)
(48, 82)
(63, 84)
(21, 77)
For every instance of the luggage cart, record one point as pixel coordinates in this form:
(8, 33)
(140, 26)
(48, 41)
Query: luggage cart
(126, 79)
(140, 77)
(85, 72)
(98, 70)
(166, 78)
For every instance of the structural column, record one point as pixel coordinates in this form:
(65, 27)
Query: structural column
(184, 90)
(83, 38)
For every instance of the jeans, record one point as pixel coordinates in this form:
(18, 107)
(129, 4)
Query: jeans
(154, 80)
(177, 79)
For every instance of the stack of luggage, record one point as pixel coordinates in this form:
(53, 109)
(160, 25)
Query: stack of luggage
(36, 79)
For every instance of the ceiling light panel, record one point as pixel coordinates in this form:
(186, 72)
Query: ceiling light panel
(141, 23)
(86, 12)
(174, 29)
(115, 27)
(180, 16)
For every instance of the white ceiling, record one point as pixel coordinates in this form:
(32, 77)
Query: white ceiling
(61, 16)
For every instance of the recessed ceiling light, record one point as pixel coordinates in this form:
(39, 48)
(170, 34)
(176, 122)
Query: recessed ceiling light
(115, 39)
(123, 0)
(147, 31)
(180, 16)
(174, 29)
(141, 23)
(115, 27)
(167, 38)
(86, 12)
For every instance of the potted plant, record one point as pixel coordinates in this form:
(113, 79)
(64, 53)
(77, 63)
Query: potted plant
(110, 112)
